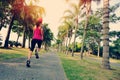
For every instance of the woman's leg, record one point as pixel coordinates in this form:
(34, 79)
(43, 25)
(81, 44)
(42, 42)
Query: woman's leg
(38, 49)
(33, 42)
(29, 55)
(36, 53)
(39, 45)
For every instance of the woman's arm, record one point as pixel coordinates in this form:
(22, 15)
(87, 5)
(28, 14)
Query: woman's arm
(42, 33)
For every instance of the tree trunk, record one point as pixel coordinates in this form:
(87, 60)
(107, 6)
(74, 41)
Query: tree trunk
(75, 36)
(68, 45)
(1, 25)
(24, 37)
(66, 52)
(8, 33)
(46, 46)
(83, 40)
(105, 60)
(18, 38)
(98, 49)
(58, 47)
(29, 42)
(74, 43)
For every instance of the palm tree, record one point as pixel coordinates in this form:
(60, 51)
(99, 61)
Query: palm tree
(75, 16)
(69, 24)
(63, 34)
(105, 60)
(87, 4)
(58, 42)
(16, 7)
(29, 15)
(69, 33)
(8, 33)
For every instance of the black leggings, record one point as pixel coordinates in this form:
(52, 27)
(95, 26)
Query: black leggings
(33, 43)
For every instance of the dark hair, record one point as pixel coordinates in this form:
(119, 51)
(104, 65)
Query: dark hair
(38, 24)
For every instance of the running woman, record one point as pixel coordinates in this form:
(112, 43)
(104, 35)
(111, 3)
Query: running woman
(36, 39)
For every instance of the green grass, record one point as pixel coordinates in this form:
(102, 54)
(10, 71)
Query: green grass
(77, 69)
(12, 53)
(15, 53)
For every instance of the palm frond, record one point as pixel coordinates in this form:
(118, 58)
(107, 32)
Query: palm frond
(68, 12)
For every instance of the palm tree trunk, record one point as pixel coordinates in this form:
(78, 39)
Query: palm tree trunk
(66, 52)
(1, 25)
(75, 36)
(8, 33)
(68, 45)
(74, 43)
(18, 38)
(45, 46)
(83, 40)
(105, 60)
(29, 42)
(98, 49)
(24, 37)
(59, 47)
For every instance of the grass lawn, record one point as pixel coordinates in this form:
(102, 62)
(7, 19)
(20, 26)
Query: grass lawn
(12, 53)
(77, 69)
(15, 53)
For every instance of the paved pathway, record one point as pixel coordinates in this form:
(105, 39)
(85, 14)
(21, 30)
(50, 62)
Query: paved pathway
(48, 67)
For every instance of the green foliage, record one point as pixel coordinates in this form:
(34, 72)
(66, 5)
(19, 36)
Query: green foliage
(17, 28)
(4, 13)
(48, 35)
(76, 48)
(58, 41)
(115, 47)
(115, 50)
(13, 43)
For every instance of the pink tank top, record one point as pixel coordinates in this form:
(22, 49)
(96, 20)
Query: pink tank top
(37, 33)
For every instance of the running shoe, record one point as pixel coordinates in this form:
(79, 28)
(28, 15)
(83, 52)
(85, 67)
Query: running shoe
(28, 63)
(36, 54)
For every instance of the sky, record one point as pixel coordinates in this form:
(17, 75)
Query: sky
(54, 11)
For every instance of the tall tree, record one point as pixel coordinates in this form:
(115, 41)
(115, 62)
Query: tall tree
(87, 5)
(16, 8)
(105, 60)
(74, 15)
(28, 14)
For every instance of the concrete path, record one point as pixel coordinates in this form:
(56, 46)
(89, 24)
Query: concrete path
(47, 67)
